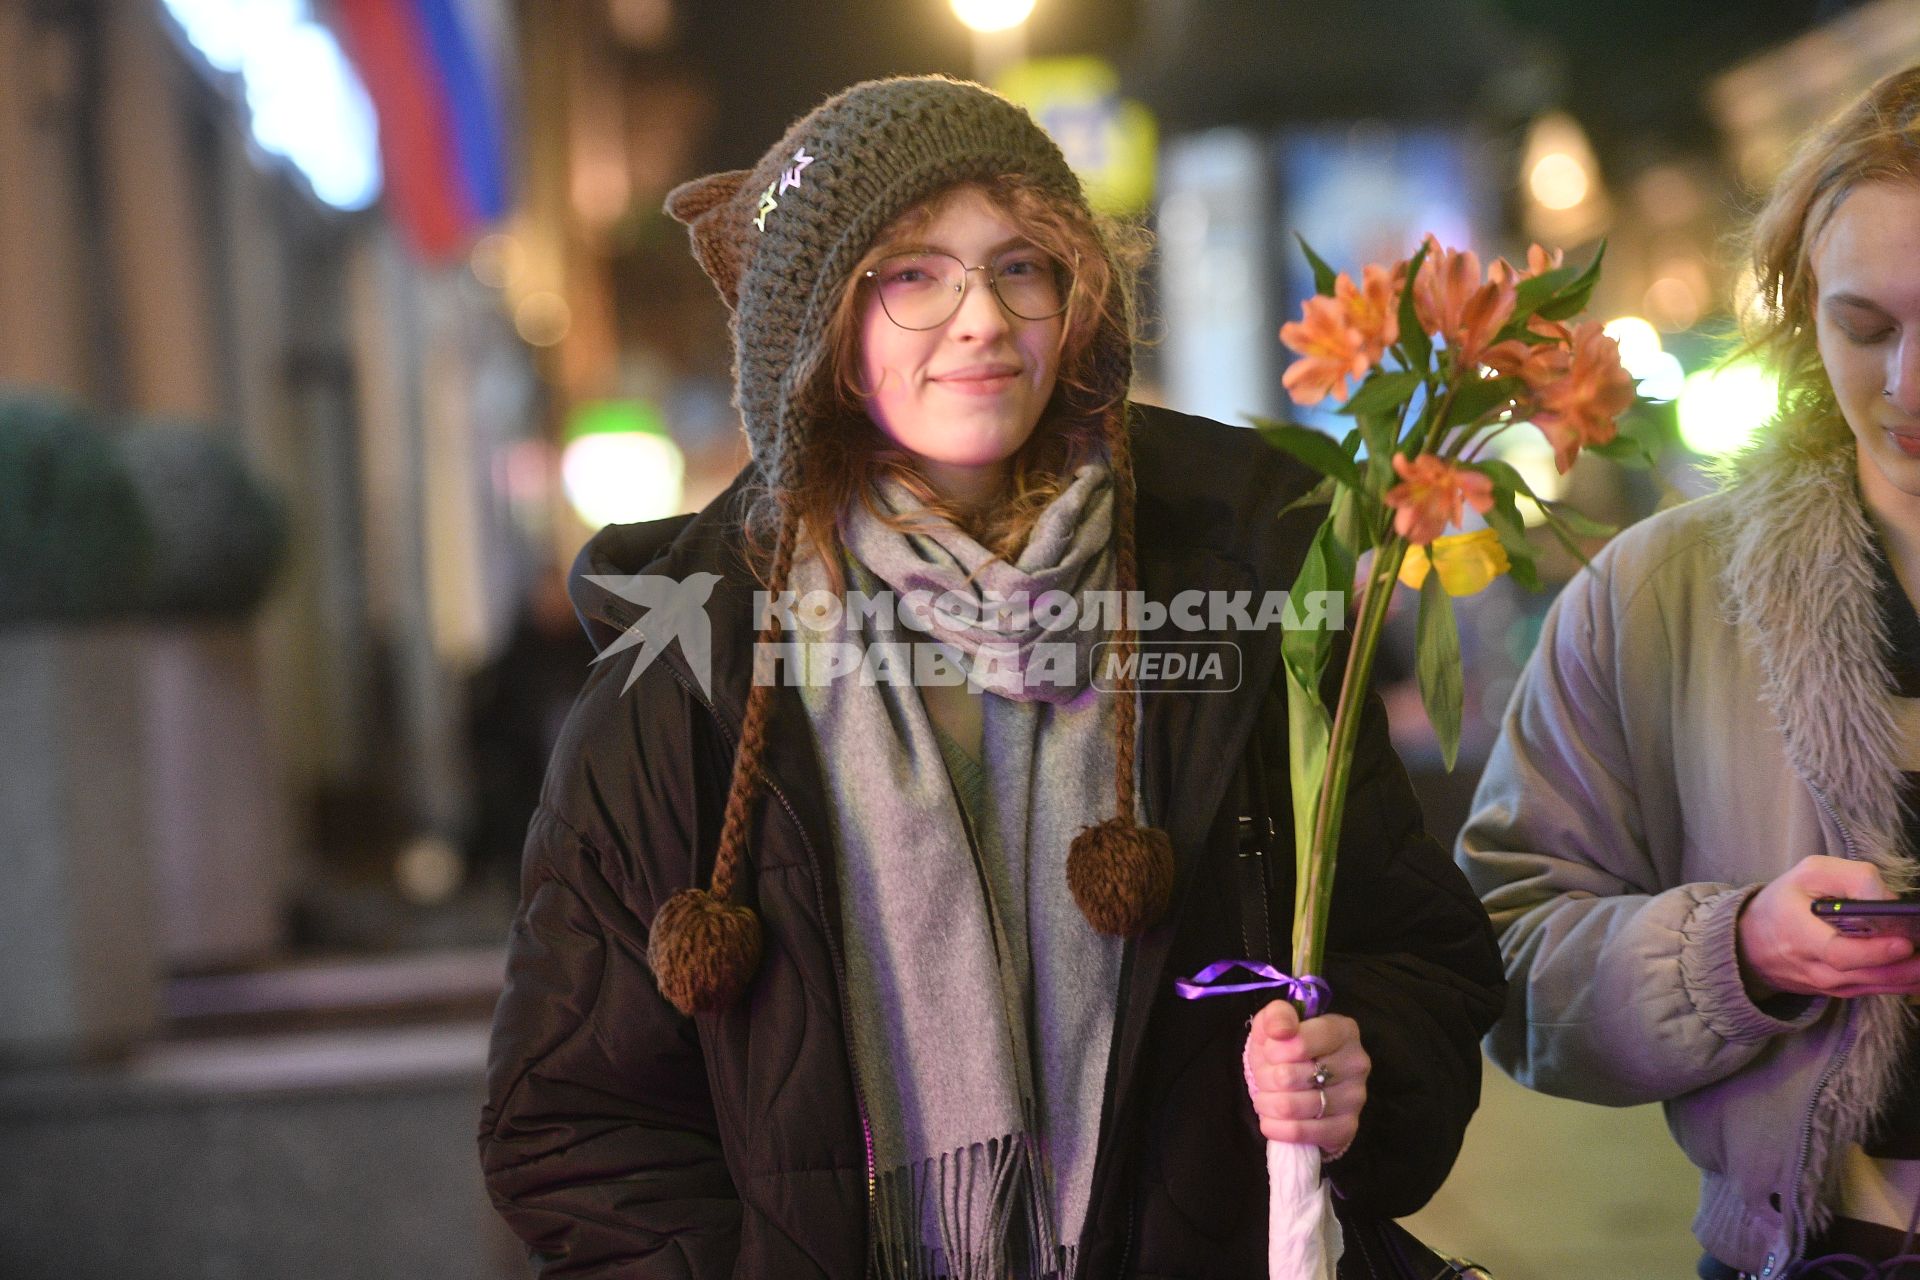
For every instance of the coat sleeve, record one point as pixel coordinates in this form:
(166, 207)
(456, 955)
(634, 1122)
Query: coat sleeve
(598, 1139)
(1625, 984)
(1411, 958)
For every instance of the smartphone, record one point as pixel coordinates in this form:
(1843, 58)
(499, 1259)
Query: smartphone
(1864, 918)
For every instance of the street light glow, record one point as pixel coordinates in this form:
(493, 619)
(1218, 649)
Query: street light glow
(1721, 409)
(1558, 180)
(992, 15)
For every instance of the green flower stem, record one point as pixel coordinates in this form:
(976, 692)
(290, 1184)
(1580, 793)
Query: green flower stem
(1309, 933)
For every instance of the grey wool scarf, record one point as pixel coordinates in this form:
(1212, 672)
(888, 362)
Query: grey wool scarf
(981, 1001)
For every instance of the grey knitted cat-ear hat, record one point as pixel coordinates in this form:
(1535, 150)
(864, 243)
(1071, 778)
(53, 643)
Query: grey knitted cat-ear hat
(780, 242)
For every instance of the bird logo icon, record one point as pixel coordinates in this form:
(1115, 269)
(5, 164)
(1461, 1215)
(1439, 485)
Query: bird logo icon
(676, 610)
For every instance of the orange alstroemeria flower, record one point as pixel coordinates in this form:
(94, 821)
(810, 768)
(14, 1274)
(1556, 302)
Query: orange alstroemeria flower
(1536, 363)
(1373, 308)
(1539, 262)
(1341, 336)
(1577, 408)
(1432, 494)
(1542, 260)
(1454, 302)
(1331, 351)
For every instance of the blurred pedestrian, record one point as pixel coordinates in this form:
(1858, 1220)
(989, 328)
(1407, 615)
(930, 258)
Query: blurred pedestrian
(516, 704)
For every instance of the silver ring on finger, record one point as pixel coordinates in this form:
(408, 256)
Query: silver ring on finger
(1321, 1076)
(1321, 1113)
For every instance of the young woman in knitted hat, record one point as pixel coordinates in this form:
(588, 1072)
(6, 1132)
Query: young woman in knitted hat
(826, 970)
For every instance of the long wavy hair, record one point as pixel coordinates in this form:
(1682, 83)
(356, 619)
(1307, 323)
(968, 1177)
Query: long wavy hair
(1877, 139)
(844, 455)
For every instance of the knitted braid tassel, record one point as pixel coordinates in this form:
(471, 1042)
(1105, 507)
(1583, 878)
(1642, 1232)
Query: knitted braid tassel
(1119, 872)
(704, 948)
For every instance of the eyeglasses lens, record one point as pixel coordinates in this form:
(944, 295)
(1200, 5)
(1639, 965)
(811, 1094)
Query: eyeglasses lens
(924, 290)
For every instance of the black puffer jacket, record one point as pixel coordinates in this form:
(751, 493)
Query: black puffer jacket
(621, 1139)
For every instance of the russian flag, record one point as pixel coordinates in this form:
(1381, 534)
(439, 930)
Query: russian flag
(442, 126)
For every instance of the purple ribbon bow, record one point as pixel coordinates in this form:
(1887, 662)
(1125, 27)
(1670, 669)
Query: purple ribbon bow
(1311, 993)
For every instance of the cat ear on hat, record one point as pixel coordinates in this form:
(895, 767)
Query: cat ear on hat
(718, 234)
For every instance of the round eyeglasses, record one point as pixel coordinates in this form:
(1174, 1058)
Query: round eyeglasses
(924, 289)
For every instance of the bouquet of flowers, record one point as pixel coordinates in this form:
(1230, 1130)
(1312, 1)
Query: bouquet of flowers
(1448, 358)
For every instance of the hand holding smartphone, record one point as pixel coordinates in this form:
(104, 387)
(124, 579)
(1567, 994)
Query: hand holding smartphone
(1870, 918)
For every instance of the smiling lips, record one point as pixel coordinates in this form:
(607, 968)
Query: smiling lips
(1905, 439)
(984, 379)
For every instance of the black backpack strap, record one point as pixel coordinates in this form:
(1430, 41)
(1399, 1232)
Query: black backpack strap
(1255, 841)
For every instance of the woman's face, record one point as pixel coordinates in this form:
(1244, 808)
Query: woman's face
(964, 396)
(1866, 266)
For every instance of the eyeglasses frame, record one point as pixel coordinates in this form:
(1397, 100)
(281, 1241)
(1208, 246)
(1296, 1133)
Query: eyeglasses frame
(960, 292)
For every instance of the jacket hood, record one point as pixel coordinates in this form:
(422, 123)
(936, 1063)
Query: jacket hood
(617, 551)
(647, 547)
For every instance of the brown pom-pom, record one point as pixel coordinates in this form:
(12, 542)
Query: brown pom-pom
(1121, 875)
(703, 950)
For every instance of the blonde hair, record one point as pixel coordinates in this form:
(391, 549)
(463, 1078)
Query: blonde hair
(1877, 139)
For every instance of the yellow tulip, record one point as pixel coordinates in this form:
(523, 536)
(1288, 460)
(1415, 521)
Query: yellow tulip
(1467, 562)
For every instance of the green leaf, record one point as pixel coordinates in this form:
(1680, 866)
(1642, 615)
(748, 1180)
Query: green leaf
(1504, 476)
(1304, 651)
(1413, 339)
(1572, 300)
(1478, 395)
(1305, 654)
(1383, 392)
(1319, 496)
(1565, 522)
(1350, 526)
(1563, 534)
(1625, 450)
(1315, 448)
(1381, 431)
(1537, 292)
(1578, 524)
(1437, 658)
(1309, 734)
(1504, 519)
(1323, 275)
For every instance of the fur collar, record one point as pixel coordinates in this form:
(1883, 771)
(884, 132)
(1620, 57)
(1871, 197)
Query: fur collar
(1799, 586)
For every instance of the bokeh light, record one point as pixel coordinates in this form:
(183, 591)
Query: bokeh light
(1721, 408)
(992, 15)
(1657, 370)
(1558, 180)
(620, 465)
(304, 100)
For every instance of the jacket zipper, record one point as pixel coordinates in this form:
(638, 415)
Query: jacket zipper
(1846, 836)
(1796, 1234)
(833, 946)
(1796, 1224)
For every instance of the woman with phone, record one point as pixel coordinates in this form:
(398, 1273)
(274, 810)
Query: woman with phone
(1720, 726)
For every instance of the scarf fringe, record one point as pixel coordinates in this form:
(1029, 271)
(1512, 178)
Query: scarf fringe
(948, 1189)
